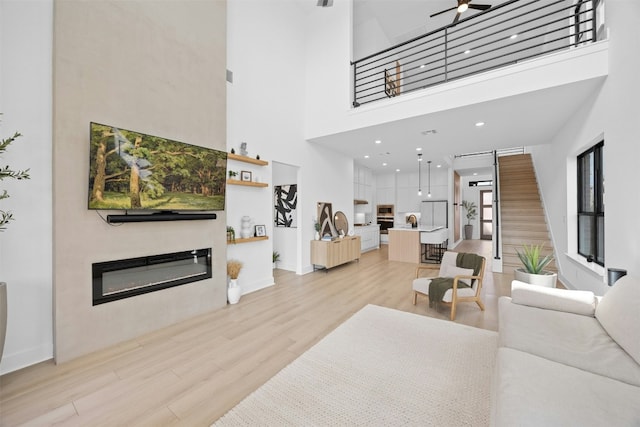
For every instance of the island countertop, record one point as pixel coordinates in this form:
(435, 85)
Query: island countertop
(405, 243)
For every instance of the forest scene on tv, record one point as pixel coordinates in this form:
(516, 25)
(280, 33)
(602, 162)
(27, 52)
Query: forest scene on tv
(131, 170)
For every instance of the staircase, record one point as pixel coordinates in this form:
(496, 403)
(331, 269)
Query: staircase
(521, 210)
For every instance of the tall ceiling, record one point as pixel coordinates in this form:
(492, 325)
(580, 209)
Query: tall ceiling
(517, 121)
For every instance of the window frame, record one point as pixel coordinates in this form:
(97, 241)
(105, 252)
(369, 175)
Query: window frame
(597, 232)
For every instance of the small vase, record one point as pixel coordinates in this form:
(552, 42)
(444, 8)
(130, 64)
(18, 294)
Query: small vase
(245, 227)
(317, 235)
(233, 291)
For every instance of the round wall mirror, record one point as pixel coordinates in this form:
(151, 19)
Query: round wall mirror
(340, 223)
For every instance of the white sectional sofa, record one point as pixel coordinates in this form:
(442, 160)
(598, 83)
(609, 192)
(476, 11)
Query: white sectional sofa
(568, 358)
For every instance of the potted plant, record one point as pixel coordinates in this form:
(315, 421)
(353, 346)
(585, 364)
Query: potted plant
(231, 234)
(317, 227)
(533, 271)
(5, 218)
(233, 290)
(275, 257)
(472, 212)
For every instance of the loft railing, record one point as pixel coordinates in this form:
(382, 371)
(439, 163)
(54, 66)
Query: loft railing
(502, 35)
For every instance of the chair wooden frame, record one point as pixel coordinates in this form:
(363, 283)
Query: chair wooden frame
(455, 299)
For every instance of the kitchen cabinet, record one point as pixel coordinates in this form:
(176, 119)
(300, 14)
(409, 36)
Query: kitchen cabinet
(369, 237)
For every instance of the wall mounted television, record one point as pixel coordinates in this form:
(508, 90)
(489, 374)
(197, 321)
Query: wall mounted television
(129, 170)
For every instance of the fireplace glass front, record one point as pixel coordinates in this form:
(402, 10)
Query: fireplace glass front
(114, 280)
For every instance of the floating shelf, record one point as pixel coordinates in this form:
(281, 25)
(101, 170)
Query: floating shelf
(247, 183)
(247, 240)
(247, 159)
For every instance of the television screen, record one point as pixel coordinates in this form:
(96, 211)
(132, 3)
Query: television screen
(133, 171)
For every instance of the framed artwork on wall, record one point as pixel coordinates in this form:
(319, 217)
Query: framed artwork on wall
(261, 230)
(325, 219)
(285, 205)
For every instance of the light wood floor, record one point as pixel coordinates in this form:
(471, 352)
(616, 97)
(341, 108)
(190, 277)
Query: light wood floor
(192, 373)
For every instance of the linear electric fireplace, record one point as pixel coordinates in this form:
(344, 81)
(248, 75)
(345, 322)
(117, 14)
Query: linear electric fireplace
(114, 280)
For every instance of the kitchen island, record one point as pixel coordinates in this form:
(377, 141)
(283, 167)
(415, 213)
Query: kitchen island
(405, 244)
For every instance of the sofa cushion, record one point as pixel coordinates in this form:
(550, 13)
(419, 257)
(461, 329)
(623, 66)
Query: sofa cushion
(578, 302)
(574, 340)
(619, 313)
(533, 391)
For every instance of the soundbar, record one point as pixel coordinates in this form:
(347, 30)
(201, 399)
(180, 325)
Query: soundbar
(160, 216)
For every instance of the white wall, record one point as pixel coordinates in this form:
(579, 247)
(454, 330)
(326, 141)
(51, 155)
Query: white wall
(271, 47)
(613, 113)
(25, 248)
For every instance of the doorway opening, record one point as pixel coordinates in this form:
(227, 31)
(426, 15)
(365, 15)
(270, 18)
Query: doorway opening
(486, 214)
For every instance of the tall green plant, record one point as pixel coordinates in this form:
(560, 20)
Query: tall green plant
(471, 209)
(532, 259)
(6, 172)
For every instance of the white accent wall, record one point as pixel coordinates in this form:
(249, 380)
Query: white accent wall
(613, 112)
(26, 246)
(275, 51)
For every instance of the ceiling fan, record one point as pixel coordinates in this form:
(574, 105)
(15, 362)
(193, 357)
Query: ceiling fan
(462, 6)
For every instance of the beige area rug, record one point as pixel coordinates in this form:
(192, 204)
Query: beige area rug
(380, 367)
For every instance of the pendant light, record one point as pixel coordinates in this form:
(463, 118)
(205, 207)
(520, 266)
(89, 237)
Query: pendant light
(429, 182)
(419, 174)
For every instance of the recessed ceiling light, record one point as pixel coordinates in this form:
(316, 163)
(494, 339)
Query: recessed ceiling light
(378, 141)
(419, 149)
(480, 124)
(513, 36)
(366, 156)
(422, 66)
(439, 166)
(429, 132)
(384, 164)
(468, 51)
(397, 170)
(475, 174)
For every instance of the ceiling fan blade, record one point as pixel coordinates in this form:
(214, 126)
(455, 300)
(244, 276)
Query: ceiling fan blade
(456, 18)
(443, 11)
(479, 6)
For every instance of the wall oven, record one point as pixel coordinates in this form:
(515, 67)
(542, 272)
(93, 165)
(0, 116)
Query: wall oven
(385, 215)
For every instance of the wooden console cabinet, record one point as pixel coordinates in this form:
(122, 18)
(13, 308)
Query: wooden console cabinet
(336, 252)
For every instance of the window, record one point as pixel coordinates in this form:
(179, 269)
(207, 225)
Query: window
(591, 204)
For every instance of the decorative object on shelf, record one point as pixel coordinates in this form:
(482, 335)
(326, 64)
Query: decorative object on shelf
(233, 289)
(5, 172)
(534, 264)
(232, 174)
(472, 212)
(261, 230)
(275, 258)
(325, 218)
(233, 151)
(243, 149)
(245, 176)
(285, 205)
(231, 234)
(317, 227)
(258, 157)
(341, 223)
(245, 227)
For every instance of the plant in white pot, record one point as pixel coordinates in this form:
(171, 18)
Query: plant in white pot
(5, 218)
(533, 271)
(472, 212)
(233, 289)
